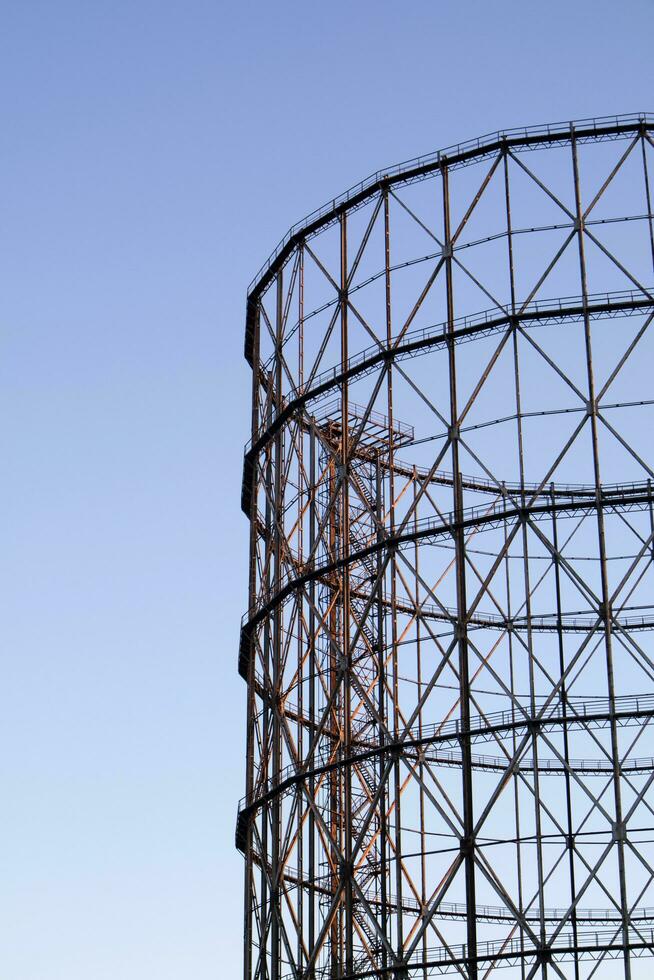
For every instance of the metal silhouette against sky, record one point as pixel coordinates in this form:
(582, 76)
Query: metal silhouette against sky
(448, 647)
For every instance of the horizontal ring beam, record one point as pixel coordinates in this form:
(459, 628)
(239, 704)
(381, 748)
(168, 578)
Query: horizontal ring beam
(638, 497)
(594, 129)
(479, 325)
(629, 710)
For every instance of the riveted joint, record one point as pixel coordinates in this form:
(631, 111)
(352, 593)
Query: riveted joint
(619, 831)
(345, 870)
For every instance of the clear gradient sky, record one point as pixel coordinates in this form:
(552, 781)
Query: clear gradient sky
(152, 155)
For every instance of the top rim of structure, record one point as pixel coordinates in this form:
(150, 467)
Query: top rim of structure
(459, 153)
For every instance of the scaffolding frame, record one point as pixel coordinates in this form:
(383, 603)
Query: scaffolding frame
(380, 633)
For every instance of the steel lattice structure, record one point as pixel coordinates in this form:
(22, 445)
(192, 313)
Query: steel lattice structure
(448, 643)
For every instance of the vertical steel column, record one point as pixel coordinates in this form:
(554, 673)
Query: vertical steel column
(346, 662)
(570, 843)
(313, 680)
(619, 829)
(248, 934)
(381, 709)
(278, 635)
(334, 656)
(304, 493)
(419, 690)
(514, 744)
(467, 840)
(527, 593)
(514, 338)
(397, 782)
(268, 908)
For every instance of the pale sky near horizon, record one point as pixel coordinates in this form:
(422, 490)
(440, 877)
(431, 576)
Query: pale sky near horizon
(152, 155)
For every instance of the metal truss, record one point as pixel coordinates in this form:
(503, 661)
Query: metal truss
(447, 645)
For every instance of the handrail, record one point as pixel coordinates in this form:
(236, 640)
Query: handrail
(531, 912)
(569, 620)
(554, 306)
(491, 317)
(451, 155)
(488, 513)
(522, 946)
(574, 711)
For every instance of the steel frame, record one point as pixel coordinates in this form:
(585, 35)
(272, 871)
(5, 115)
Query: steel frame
(452, 545)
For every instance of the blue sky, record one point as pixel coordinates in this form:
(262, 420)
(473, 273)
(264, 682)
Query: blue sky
(152, 155)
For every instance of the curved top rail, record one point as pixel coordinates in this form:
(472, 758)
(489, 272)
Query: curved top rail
(457, 154)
